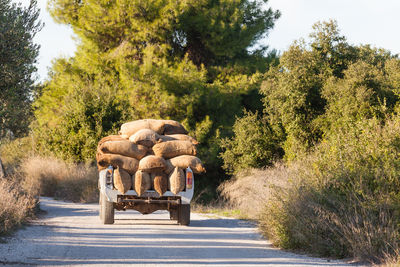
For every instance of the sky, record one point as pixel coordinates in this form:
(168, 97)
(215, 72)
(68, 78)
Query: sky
(372, 22)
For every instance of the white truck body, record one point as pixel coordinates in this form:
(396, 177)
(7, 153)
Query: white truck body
(177, 204)
(112, 194)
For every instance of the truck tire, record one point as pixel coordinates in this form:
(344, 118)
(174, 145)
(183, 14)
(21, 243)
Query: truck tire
(184, 214)
(100, 209)
(106, 210)
(173, 214)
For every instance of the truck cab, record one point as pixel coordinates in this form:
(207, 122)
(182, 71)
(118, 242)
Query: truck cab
(111, 199)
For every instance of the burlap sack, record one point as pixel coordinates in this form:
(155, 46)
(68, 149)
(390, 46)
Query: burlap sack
(111, 138)
(175, 148)
(142, 182)
(160, 182)
(165, 138)
(169, 168)
(130, 128)
(127, 163)
(98, 158)
(152, 164)
(145, 137)
(182, 137)
(103, 140)
(124, 148)
(186, 161)
(177, 181)
(122, 180)
(173, 127)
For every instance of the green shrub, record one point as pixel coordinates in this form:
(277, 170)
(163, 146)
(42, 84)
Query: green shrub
(335, 111)
(254, 144)
(13, 152)
(325, 75)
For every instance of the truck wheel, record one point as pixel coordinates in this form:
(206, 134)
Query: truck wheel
(100, 209)
(184, 214)
(173, 214)
(106, 210)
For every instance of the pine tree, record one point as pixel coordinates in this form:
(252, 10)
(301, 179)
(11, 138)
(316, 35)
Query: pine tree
(192, 61)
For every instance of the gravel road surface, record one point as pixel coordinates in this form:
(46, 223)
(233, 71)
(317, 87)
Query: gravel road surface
(71, 234)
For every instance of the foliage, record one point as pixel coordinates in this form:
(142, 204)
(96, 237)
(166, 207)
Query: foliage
(15, 151)
(318, 87)
(298, 90)
(209, 32)
(253, 146)
(184, 60)
(334, 109)
(18, 55)
(75, 111)
(344, 200)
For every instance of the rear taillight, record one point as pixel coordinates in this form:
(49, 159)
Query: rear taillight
(109, 175)
(189, 178)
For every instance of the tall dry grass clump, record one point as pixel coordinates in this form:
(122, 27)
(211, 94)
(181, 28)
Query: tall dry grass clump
(16, 205)
(250, 190)
(55, 178)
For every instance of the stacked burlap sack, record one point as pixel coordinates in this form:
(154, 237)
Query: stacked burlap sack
(149, 155)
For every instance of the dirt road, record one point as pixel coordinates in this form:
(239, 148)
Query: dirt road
(71, 234)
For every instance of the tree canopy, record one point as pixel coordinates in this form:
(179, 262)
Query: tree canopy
(319, 88)
(192, 61)
(208, 32)
(18, 55)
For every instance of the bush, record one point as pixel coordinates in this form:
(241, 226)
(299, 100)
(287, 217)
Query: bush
(55, 178)
(16, 205)
(343, 200)
(13, 152)
(335, 109)
(254, 144)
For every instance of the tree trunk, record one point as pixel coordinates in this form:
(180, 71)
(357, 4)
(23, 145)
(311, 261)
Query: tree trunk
(2, 172)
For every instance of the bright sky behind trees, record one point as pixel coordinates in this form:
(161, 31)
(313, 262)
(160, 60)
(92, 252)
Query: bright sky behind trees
(372, 22)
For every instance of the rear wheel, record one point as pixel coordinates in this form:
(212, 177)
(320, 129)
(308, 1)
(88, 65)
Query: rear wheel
(106, 210)
(100, 209)
(184, 214)
(173, 214)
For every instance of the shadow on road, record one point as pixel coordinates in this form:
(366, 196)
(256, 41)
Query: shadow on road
(72, 235)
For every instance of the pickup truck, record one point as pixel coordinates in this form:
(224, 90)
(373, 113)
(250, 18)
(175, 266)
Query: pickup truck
(111, 199)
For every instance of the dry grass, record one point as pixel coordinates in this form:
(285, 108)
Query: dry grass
(371, 235)
(55, 178)
(28, 176)
(390, 261)
(300, 215)
(15, 205)
(250, 191)
(220, 208)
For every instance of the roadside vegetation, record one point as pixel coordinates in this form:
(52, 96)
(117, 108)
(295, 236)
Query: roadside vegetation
(307, 143)
(17, 205)
(197, 62)
(61, 180)
(334, 109)
(18, 26)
